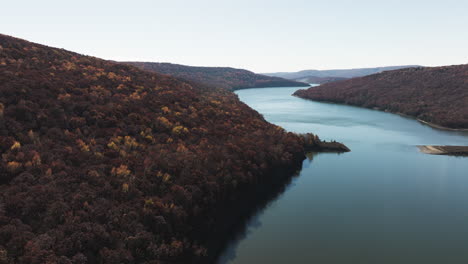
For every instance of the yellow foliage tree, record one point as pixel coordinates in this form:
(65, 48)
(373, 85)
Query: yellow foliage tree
(165, 110)
(83, 146)
(111, 75)
(121, 171)
(179, 130)
(15, 145)
(130, 143)
(147, 134)
(13, 166)
(165, 122)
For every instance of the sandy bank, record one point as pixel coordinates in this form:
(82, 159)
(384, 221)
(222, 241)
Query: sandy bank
(445, 150)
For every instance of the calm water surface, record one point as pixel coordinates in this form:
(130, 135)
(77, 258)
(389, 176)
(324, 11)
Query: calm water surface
(384, 202)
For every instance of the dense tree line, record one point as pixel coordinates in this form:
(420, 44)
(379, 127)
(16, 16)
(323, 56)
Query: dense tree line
(105, 163)
(437, 95)
(222, 77)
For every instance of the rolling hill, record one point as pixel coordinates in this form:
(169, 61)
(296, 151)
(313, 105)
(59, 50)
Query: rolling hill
(437, 95)
(102, 162)
(223, 77)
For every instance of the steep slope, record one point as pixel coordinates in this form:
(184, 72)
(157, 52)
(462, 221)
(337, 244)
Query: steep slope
(227, 78)
(436, 95)
(330, 74)
(105, 163)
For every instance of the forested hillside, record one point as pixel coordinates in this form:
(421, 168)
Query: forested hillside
(437, 95)
(227, 78)
(105, 163)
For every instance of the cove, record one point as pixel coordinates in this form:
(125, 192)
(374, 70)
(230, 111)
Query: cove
(383, 202)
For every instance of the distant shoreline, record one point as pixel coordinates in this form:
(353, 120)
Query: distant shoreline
(391, 112)
(418, 119)
(442, 127)
(426, 122)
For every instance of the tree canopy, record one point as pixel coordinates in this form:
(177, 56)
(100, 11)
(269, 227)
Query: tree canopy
(106, 163)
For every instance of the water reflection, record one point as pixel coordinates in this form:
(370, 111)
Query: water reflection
(252, 221)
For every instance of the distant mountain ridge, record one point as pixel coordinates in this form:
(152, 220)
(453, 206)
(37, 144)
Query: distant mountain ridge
(328, 75)
(437, 96)
(222, 77)
(320, 80)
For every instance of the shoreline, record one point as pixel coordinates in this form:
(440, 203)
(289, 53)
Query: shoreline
(432, 125)
(441, 127)
(232, 215)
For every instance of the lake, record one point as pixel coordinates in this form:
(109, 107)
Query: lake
(383, 202)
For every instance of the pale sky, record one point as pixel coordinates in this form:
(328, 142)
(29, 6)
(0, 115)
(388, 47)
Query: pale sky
(258, 35)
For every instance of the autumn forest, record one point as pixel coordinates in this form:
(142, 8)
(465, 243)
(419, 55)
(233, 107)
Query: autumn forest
(106, 163)
(233, 132)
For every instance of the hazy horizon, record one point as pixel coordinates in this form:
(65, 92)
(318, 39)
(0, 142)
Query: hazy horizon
(261, 36)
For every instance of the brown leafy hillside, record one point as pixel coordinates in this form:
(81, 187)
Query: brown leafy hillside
(105, 163)
(227, 78)
(437, 95)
